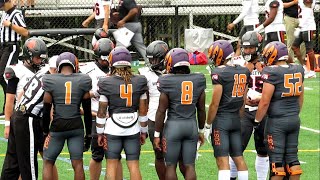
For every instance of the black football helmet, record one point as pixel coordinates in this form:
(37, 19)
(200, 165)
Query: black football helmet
(156, 52)
(100, 33)
(102, 48)
(35, 47)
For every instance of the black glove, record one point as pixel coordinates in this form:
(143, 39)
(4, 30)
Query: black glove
(87, 143)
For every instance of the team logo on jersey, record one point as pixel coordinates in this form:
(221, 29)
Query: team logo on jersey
(214, 77)
(265, 76)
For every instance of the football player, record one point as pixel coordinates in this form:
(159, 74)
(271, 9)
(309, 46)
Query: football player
(96, 70)
(250, 16)
(123, 94)
(183, 95)
(156, 52)
(26, 138)
(282, 99)
(229, 92)
(34, 55)
(273, 25)
(66, 91)
(304, 33)
(250, 50)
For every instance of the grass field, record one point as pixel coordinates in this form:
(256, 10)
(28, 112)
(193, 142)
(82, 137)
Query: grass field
(309, 141)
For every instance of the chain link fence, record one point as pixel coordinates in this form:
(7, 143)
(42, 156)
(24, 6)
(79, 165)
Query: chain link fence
(161, 20)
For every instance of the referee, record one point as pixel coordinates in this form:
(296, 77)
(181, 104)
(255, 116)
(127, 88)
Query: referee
(12, 28)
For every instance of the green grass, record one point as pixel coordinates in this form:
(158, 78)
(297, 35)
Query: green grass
(205, 166)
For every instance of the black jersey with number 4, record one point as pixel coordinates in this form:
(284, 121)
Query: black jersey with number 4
(183, 91)
(122, 98)
(288, 82)
(67, 93)
(234, 80)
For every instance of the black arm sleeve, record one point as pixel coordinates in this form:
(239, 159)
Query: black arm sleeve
(86, 105)
(46, 117)
(12, 85)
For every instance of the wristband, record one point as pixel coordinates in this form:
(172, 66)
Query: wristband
(6, 123)
(256, 121)
(101, 120)
(207, 126)
(144, 129)
(99, 130)
(156, 134)
(143, 118)
(201, 131)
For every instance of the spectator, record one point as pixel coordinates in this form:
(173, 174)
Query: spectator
(101, 13)
(129, 18)
(304, 33)
(250, 16)
(12, 28)
(290, 9)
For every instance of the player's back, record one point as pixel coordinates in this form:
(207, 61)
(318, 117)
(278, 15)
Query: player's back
(233, 80)
(122, 97)
(288, 81)
(183, 91)
(67, 92)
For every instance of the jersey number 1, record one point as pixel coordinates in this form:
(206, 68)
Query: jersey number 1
(239, 85)
(126, 93)
(67, 98)
(186, 92)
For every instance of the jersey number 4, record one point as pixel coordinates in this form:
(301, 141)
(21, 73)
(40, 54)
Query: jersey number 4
(294, 88)
(126, 93)
(186, 92)
(239, 86)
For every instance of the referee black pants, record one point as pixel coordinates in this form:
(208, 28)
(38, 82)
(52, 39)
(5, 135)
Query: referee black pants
(25, 140)
(9, 56)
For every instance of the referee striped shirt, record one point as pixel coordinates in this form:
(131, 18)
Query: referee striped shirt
(16, 18)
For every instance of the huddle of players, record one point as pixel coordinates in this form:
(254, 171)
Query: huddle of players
(125, 105)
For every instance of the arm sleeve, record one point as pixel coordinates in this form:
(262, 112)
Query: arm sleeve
(12, 85)
(86, 105)
(46, 117)
(246, 5)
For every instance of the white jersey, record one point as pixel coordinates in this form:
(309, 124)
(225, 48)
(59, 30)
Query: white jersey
(154, 94)
(95, 74)
(306, 17)
(255, 88)
(99, 9)
(277, 24)
(249, 13)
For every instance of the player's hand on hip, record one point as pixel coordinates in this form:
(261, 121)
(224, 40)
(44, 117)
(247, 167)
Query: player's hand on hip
(6, 132)
(156, 143)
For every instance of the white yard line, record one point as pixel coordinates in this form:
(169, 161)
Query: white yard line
(310, 129)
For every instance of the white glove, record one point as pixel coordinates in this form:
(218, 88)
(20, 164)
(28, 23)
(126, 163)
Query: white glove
(207, 133)
(296, 32)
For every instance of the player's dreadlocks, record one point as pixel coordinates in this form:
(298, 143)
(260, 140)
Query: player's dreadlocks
(124, 72)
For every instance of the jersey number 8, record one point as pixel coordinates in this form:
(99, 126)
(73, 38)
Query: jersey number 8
(186, 92)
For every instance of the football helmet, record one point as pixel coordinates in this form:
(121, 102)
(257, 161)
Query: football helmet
(67, 58)
(273, 52)
(35, 47)
(120, 57)
(250, 39)
(219, 51)
(176, 57)
(156, 51)
(100, 33)
(102, 48)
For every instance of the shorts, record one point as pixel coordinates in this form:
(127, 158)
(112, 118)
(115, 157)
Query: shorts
(281, 139)
(306, 37)
(273, 36)
(54, 143)
(226, 135)
(180, 138)
(130, 144)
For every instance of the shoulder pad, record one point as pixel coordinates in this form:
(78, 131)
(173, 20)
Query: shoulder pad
(9, 73)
